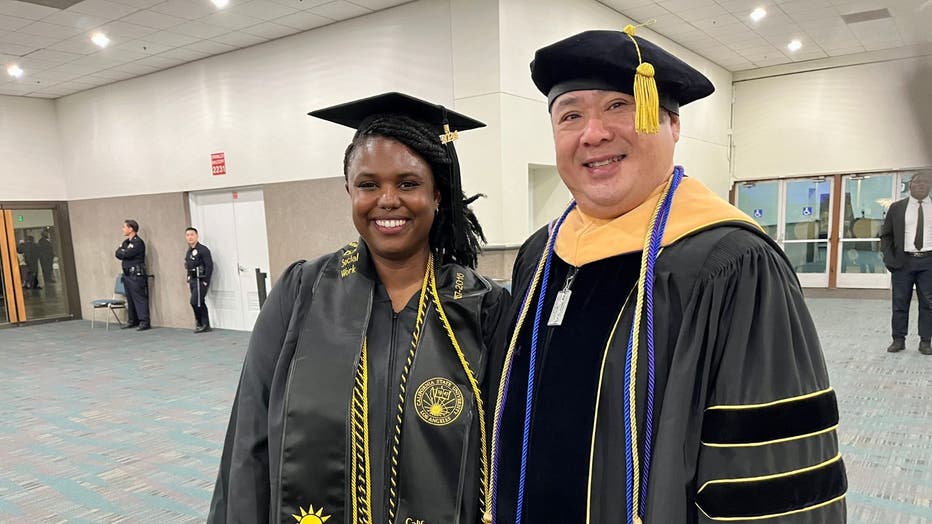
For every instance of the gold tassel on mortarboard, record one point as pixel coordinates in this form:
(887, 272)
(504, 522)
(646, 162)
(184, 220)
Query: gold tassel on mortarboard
(646, 100)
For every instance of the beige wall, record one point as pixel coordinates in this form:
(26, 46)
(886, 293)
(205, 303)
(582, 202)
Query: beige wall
(311, 218)
(95, 228)
(306, 219)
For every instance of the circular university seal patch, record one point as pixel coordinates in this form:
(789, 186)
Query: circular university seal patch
(438, 401)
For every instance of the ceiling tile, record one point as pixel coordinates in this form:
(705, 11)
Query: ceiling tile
(339, 10)
(199, 30)
(701, 12)
(16, 49)
(263, 9)
(160, 62)
(239, 39)
(270, 30)
(153, 19)
(188, 55)
(231, 20)
(845, 51)
(28, 40)
(45, 29)
(58, 57)
(103, 8)
(136, 68)
(76, 20)
(13, 22)
(185, 9)
(772, 61)
(302, 4)
(141, 4)
(679, 5)
(77, 44)
(144, 47)
(111, 75)
(377, 5)
(646, 12)
(876, 46)
(24, 10)
(209, 46)
(303, 21)
(125, 53)
(621, 5)
(170, 39)
(126, 30)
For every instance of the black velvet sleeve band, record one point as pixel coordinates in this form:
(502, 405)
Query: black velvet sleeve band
(764, 423)
(774, 495)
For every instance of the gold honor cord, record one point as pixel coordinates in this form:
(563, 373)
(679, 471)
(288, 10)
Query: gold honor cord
(399, 415)
(475, 390)
(509, 358)
(360, 480)
(635, 346)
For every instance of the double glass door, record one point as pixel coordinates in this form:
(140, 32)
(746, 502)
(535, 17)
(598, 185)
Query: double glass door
(797, 215)
(32, 273)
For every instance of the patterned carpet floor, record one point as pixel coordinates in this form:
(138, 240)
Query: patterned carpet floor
(120, 426)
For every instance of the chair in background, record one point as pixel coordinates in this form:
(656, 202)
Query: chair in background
(117, 301)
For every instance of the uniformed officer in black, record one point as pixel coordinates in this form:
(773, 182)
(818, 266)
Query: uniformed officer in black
(200, 266)
(132, 252)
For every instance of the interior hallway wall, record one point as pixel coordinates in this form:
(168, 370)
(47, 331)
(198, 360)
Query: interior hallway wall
(96, 234)
(155, 134)
(306, 219)
(847, 119)
(31, 166)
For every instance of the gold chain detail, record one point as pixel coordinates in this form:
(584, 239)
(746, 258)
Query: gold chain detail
(360, 477)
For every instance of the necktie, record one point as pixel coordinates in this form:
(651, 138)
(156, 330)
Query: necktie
(919, 229)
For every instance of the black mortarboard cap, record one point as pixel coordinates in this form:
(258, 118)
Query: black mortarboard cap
(447, 123)
(614, 60)
(356, 113)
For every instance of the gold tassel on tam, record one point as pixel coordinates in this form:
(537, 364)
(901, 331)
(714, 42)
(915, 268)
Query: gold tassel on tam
(646, 100)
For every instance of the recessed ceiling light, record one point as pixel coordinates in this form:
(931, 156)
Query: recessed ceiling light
(758, 14)
(100, 39)
(794, 45)
(14, 71)
(220, 3)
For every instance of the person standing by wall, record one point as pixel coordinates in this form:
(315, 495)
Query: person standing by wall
(132, 253)
(46, 255)
(199, 266)
(906, 242)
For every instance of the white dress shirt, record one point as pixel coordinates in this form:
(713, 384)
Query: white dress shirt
(909, 229)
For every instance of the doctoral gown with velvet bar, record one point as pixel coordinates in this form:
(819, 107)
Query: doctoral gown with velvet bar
(744, 416)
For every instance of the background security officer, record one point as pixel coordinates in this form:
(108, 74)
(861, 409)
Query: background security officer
(133, 254)
(200, 266)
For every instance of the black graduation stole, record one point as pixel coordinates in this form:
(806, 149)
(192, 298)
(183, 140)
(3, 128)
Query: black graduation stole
(438, 455)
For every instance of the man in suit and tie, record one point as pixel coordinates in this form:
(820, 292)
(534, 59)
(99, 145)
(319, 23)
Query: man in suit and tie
(906, 241)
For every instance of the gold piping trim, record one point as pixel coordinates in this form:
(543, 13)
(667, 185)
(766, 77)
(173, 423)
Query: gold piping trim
(769, 442)
(598, 396)
(774, 515)
(774, 403)
(830, 461)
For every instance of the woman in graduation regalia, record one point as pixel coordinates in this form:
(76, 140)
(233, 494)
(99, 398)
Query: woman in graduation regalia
(364, 393)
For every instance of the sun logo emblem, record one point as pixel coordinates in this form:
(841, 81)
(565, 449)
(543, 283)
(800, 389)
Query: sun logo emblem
(310, 517)
(438, 401)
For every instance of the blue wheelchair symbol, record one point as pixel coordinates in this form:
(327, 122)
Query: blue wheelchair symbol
(807, 211)
(758, 213)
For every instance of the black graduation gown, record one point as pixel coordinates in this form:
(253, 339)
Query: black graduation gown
(744, 418)
(288, 448)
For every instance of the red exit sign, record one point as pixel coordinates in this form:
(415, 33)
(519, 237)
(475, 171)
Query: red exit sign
(218, 164)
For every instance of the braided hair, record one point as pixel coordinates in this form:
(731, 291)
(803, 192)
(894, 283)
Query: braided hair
(455, 234)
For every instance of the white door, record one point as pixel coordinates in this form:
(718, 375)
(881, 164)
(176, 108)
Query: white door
(232, 225)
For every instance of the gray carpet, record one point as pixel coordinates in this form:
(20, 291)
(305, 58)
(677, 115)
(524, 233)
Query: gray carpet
(127, 427)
